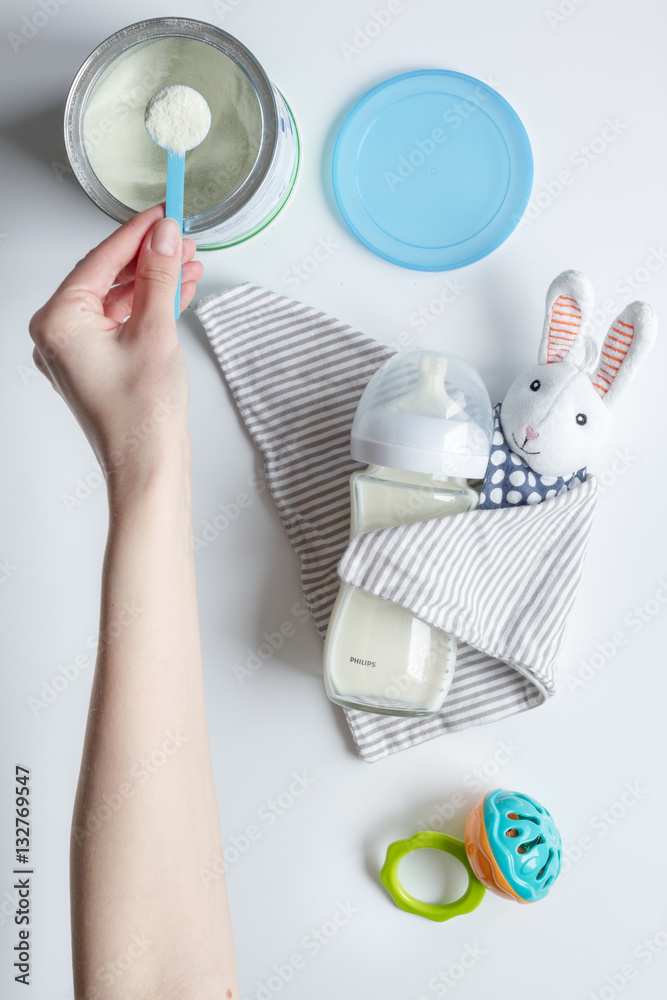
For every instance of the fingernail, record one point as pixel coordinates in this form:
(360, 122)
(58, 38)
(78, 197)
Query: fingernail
(166, 237)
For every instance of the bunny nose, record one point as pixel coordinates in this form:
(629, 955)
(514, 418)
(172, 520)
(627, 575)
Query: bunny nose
(531, 434)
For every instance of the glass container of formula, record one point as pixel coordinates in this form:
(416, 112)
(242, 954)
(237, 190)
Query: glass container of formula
(424, 426)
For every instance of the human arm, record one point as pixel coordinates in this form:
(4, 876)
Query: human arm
(144, 924)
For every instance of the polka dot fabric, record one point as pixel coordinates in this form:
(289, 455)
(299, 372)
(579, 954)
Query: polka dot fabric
(510, 482)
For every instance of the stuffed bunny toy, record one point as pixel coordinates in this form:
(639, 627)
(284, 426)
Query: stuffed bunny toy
(556, 415)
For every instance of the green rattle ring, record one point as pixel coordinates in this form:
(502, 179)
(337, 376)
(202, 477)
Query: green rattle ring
(470, 899)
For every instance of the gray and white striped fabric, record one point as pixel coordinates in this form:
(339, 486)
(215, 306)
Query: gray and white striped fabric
(503, 581)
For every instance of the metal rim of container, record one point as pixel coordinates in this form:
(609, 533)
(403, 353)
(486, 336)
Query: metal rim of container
(163, 27)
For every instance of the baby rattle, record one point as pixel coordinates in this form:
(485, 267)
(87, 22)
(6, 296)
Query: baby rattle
(511, 847)
(557, 414)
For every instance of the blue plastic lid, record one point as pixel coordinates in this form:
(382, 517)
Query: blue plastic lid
(432, 170)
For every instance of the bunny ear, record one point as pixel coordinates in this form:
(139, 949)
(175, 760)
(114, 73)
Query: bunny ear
(627, 343)
(569, 305)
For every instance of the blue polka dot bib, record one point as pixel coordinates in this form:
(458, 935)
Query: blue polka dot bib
(509, 482)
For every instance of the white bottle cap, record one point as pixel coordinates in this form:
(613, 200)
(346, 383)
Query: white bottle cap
(425, 411)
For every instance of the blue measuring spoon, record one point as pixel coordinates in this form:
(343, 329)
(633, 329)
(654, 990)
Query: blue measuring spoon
(186, 127)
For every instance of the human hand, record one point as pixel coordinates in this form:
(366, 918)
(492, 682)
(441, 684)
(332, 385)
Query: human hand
(107, 342)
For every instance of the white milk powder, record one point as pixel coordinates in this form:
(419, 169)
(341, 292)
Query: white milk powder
(178, 118)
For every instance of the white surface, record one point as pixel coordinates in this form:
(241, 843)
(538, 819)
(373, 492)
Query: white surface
(577, 754)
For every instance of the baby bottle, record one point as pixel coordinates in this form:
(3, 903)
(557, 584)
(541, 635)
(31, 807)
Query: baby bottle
(424, 425)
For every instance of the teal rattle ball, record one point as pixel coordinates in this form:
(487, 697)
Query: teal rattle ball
(512, 847)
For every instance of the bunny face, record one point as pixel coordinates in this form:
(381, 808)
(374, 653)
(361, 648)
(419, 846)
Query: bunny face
(556, 415)
(554, 419)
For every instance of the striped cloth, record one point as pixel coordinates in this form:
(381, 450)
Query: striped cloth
(503, 580)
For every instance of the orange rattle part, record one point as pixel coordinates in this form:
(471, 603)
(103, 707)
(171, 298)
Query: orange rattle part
(480, 856)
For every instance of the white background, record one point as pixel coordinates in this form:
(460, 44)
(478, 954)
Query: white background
(580, 752)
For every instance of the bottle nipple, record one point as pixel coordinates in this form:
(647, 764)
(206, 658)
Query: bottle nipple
(429, 398)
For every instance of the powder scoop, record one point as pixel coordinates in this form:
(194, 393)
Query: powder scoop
(177, 118)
